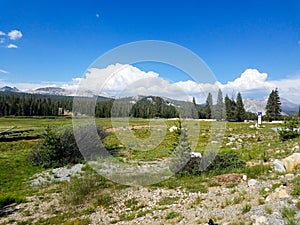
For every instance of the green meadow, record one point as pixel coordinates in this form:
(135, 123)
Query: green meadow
(254, 146)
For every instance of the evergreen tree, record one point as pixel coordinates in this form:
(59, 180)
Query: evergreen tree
(208, 106)
(240, 110)
(194, 110)
(194, 101)
(273, 106)
(230, 107)
(219, 111)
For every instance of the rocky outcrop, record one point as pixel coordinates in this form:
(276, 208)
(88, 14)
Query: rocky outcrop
(291, 162)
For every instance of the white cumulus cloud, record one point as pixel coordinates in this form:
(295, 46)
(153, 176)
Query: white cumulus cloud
(15, 34)
(126, 80)
(2, 33)
(12, 46)
(248, 80)
(113, 78)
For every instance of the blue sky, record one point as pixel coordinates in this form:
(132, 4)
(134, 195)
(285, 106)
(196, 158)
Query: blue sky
(60, 39)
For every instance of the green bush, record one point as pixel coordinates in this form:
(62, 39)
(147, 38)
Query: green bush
(172, 215)
(222, 163)
(226, 162)
(58, 147)
(290, 129)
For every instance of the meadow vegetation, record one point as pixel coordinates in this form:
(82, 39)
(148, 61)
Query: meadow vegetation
(21, 159)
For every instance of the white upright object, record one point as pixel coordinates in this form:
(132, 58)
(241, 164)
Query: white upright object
(259, 118)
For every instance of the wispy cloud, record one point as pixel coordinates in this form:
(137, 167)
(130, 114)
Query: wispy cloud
(15, 34)
(12, 46)
(3, 71)
(2, 33)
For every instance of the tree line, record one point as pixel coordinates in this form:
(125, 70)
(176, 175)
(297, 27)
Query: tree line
(225, 109)
(230, 109)
(17, 104)
(32, 105)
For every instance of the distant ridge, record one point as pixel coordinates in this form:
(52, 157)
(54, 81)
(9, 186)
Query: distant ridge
(49, 91)
(9, 89)
(254, 105)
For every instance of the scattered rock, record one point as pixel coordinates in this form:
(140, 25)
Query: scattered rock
(57, 174)
(278, 194)
(278, 166)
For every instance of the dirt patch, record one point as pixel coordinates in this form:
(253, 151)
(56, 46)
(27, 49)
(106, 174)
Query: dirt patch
(227, 179)
(114, 129)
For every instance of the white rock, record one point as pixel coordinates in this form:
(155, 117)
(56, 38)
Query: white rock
(278, 166)
(244, 177)
(289, 176)
(252, 182)
(229, 143)
(231, 139)
(196, 154)
(173, 128)
(297, 216)
(260, 220)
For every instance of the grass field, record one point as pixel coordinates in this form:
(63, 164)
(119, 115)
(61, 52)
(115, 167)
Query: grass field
(251, 145)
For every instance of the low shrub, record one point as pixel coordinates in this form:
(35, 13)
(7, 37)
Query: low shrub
(290, 129)
(172, 215)
(226, 162)
(7, 200)
(59, 148)
(257, 170)
(222, 163)
(246, 208)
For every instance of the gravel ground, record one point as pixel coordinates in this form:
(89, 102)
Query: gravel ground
(224, 205)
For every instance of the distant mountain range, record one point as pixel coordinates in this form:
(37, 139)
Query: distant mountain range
(251, 105)
(9, 89)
